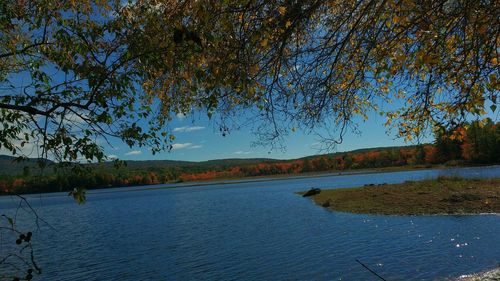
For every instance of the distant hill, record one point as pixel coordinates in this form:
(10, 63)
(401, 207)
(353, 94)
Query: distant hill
(210, 163)
(13, 166)
(361, 150)
(10, 165)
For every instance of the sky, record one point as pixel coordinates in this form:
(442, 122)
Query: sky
(197, 139)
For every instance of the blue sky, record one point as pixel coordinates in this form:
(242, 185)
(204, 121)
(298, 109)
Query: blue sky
(197, 139)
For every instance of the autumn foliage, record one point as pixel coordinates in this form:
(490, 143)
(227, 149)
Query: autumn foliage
(473, 143)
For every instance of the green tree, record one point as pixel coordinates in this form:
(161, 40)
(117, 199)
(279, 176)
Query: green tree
(447, 145)
(26, 171)
(481, 142)
(68, 78)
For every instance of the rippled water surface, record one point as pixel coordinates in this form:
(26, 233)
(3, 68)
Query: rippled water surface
(256, 230)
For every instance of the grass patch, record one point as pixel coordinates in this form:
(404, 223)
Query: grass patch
(444, 195)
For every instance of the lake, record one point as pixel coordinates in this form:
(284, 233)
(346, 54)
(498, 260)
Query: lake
(254, 230)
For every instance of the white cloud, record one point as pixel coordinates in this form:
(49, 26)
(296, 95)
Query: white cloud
(239, 152)
(180, 116)
(187, 145)
(112, 156)
(176, 146)
(134, 152)
(187, 129)
(195, 146)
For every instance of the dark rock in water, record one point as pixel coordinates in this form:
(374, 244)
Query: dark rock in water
(326, 204)
(372, 184)
(311, 192)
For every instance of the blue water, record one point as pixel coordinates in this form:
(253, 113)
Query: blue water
(256, 230)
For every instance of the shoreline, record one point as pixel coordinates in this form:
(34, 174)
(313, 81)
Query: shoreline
(419, 215)
(226, 181)
(436, 197)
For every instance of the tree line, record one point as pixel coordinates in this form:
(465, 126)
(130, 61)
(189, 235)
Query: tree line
(476, 142)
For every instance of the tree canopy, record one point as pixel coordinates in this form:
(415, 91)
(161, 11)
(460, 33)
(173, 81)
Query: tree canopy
(76, 72)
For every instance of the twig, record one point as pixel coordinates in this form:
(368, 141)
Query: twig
(32, 257)
(373, 272)
(38, 218)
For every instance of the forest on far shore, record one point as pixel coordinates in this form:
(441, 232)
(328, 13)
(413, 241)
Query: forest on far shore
(473, 143)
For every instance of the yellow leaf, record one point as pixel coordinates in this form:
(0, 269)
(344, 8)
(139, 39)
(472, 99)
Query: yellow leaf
(264, 42)
(282, 10)
(494, 61)
(288, 24)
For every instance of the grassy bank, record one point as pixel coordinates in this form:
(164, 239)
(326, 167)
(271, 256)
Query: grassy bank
(439, 196)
